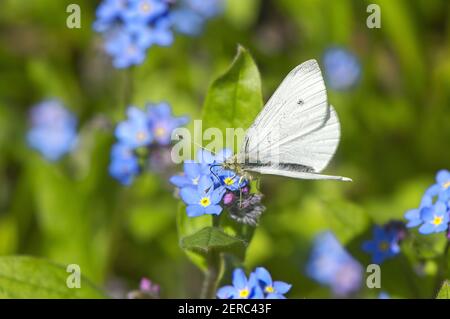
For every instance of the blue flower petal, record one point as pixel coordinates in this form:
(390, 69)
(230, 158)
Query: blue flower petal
(205, 184)
(427, 213)
(443, 176)
(190, 196)
(239, 279)
(426, 229)
(227, 292)
(180, 181)
(213, 210)
(195, 210)
(263, 275)
(281, 287)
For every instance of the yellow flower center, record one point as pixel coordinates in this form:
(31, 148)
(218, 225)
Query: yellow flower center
(160, 131)
(244, 293)
(269, 289)
(140, 136)
(383, 246)
(145, 7)
(446, 185)
(437, 220)
(228, 181)
(205, 201)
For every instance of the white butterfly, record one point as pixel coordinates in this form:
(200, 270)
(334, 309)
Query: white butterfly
(297, 132)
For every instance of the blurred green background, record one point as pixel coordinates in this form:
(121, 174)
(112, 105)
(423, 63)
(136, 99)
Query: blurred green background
(395, 136)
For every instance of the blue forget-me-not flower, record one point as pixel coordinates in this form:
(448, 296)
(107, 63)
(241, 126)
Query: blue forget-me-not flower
(331, 265)
(208, 168)
(435, 218)
(144, 131)
(272, 289)
(242, 287)
(204, 199)
(384, 245)
(342, 68)
(433, 213)
(131, 27)
(190, 16)
(124, 165)
(259, 285)
(53, 130)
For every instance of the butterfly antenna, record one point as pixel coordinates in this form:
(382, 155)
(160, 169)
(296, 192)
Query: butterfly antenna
(196, 144)
(210, 169)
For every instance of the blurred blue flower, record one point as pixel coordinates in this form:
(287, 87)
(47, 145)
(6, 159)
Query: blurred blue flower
(413, 215)
(135, 131)
(187, 21)
(435, 218)
(204, 199)
(190, 16)
(442, 187)
(330, 264)
(53, 129)
(124, 49)
(162, 122)
(384, 295)
(242, 287)
(145, 11)
(384, 245)
(130, 27)
(207, 8)
(272, 289)
(124, 165)
(107, 13)
(342, 68)
(158, 33)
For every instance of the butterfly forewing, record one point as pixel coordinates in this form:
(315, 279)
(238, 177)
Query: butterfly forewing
(297, 131)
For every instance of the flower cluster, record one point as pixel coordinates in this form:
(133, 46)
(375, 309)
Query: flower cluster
(206, 187)
(143, 132)
(147, 290)
(434, 211)
(342, 69)
(53, 129)
(386, 241)
(131, 27)
(259, 285)
(331, 265)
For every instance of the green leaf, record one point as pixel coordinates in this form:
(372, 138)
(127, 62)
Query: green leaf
(234, 99)
(444, 292)
(187, 226)
(28, 277)
(211, 239)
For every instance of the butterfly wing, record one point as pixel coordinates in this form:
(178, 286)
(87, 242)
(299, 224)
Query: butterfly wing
(297, 129)
(273, 170)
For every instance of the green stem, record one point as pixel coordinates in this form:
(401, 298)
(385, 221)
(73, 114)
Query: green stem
(212, 275)
(214, 271)
(443, 269)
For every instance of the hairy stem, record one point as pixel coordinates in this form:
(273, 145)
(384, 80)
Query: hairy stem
(212, 275)
(214, 271)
